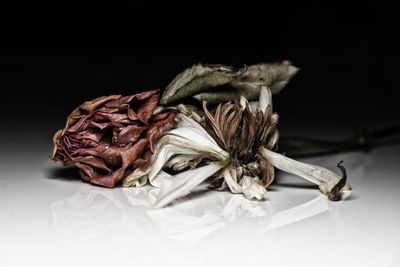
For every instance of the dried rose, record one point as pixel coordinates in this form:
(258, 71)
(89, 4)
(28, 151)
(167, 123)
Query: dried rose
(108, 137)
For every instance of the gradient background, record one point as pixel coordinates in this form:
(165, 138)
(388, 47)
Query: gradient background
(53, 58)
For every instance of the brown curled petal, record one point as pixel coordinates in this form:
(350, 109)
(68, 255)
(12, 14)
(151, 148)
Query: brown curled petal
(132, 115)
(147, 94)
(122, 101)
(94, 162)
(56, 139)
(127, 134)
(89, 135)
(157, 129)
(113, 117)
(268, 172)
(159, 117)
(78, 125)
(130, 155)
(91, 105)
(146, 109)
(91, 151)
(93, 176)
(103, 125)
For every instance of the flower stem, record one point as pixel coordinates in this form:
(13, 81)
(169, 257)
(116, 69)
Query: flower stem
(363, 140)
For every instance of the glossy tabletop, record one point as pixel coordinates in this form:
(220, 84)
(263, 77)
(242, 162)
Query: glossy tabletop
(49, 217)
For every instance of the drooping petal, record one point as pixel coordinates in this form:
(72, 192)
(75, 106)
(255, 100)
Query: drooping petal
(185, 121)
(183, 183)
(268, 172)
(230, 177)
(183, 140)
(327, 180)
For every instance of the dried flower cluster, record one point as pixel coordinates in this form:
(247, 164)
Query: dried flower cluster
(176, 148)
(108, 137)
(241, 130)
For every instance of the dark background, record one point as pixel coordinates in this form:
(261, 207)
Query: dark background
(55, 57)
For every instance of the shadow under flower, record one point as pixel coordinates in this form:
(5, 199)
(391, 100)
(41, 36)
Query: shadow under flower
(63, 173)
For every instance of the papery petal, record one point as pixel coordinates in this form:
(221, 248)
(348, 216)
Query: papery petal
(164, 150)
(91, 105)
(173, 144)
(185, 121)
(230, 177)
(265, 98)
(159, 127)
(323, 177)
(181, 162)
(197, 141)
(182, 183)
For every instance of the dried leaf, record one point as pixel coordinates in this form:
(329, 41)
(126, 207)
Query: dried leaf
(272, 75)
(196, 79)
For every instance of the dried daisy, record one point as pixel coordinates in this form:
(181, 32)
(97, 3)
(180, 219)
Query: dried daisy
(231, 148)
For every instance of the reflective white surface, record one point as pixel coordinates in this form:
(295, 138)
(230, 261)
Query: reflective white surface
(47, 220)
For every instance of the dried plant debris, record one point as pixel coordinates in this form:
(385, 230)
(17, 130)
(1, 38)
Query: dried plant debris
(176, 147)
(231, 149)
(108, 137)
(218, 83)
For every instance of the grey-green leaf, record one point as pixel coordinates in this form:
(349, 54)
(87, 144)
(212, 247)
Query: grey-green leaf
(273, 75)
(196, 79)
(219, 83)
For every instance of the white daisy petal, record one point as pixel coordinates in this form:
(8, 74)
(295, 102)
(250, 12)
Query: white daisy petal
(181, 184)
(323, 177)
(265, 99)
(185, 140)
(231, 179)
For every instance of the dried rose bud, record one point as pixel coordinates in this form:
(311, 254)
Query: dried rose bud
(108, 137)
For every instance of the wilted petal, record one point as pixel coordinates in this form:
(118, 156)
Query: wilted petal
(91, 105)
(127, 134)
(159, 127)
(184, 182)
(230, 177)
(181, 162)
(176, 142)
(326, 179)
(265, 98)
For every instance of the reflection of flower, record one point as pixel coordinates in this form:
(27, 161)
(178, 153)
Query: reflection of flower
(109, 136)
(92, 212)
